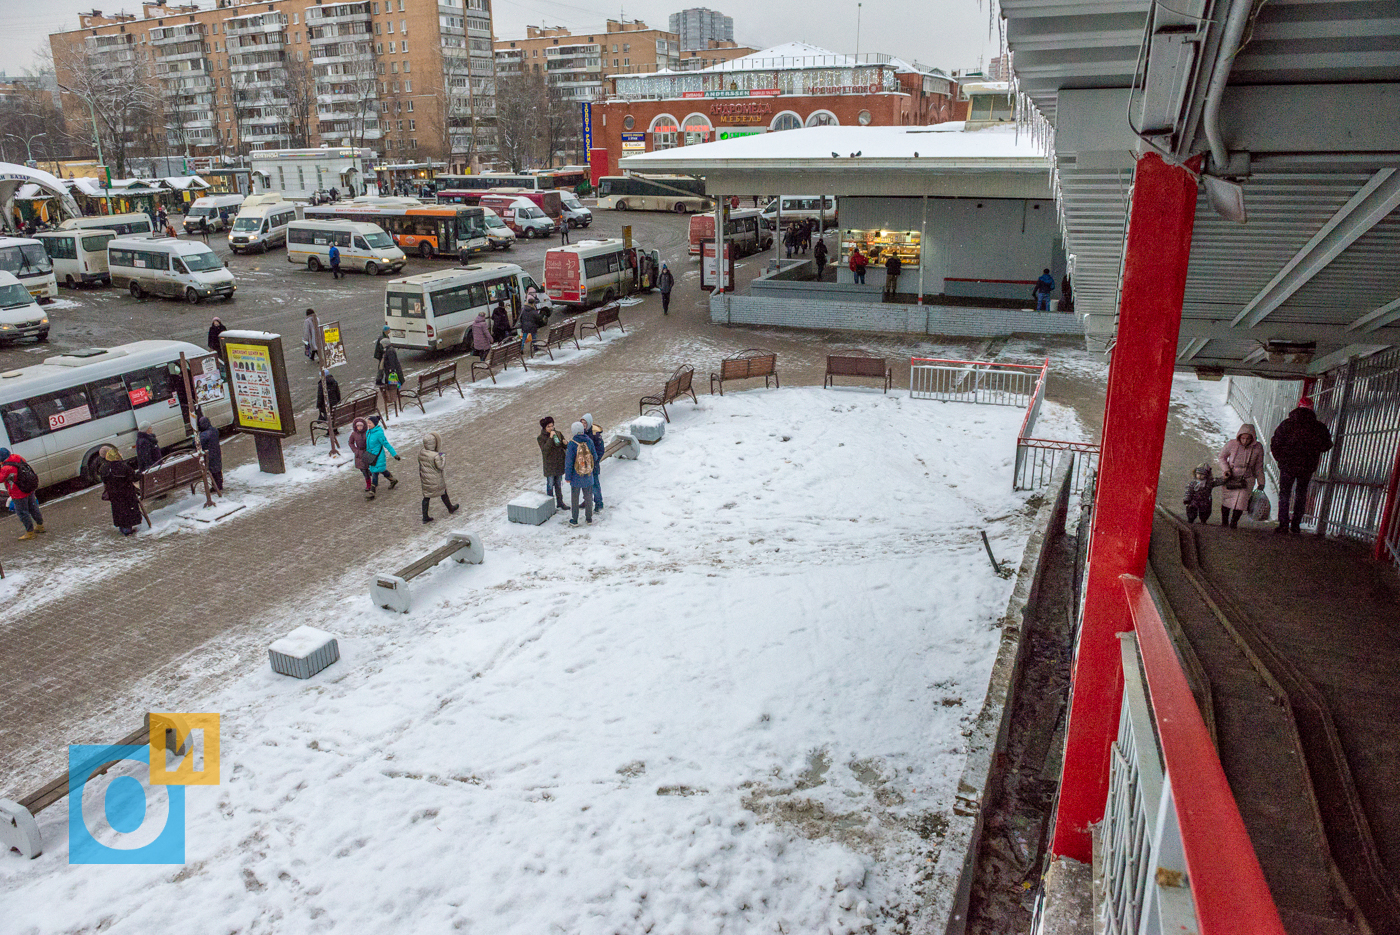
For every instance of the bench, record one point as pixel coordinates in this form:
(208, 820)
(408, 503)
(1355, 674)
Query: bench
(607, 315)
(745, 365)
(391, 591)
(857, 364)
(19, 830)
(558, 334)
(623, 446)
(167, 475)
(346, 412)
(443, 376)
(676, 387)
(500, 356)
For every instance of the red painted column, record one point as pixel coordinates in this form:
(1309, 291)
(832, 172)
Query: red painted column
(1134, 426)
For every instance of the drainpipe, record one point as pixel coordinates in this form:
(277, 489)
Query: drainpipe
(1235, 21)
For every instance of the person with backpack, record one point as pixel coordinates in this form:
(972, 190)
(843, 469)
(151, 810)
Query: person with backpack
(119, 487)
(432, 474)
(390, 371)
(580, 469)
(335, 262)
(552, 448)
(595, 435)
(858, 263)
(378, 449)
(21, 482)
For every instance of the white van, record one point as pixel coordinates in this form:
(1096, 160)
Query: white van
(25, 259)
(168, 267)
(261, 223)
(208, 208)
(20, 316)
(79, 256)
(575, 214)
(134, 223)
(361, 246)
(435, 310)
(598, 271)
(498, 235)
(58, 415)
(801, 208)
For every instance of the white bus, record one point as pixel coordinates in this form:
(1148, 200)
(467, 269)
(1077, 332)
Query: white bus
(57, 415)
(361, 246)
(679, 193)
(216, 211)
(177, 268)
(26, 260)
(133, 223)
(435, 310)
(79, 256)
(261, 223)
(598, 271)
(802, 208)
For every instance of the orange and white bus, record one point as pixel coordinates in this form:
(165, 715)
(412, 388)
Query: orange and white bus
(747, 229)
(430, 230)
(598, 271)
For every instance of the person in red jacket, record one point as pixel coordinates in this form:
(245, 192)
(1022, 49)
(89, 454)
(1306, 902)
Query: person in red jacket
(26, 504)
(858, 264)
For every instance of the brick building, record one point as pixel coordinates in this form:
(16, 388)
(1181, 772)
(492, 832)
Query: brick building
(578, 66)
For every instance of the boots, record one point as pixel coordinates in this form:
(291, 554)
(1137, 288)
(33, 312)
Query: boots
(1225, 516)
(39, 527)
(393, 481)
(28, 534)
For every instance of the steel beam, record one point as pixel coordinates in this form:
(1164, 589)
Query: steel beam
(1199, 330)
(1372, 322)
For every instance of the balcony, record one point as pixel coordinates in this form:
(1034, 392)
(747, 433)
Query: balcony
(175, 34)
(341, 13)
(200, 123)
(190, 56)
(257, 62)
(275, 42)
(280, 138)
(254, 25)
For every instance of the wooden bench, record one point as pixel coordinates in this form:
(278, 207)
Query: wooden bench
(500, 357)
(391, 591)
(607, 315)
(558, 334)
(623, 446)
(676, 387)
(750, 364)
(169, 474)
(857, 364)
(361, 407)
(438, 379)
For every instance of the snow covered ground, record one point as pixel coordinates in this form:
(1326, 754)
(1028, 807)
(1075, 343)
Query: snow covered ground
(735, 704)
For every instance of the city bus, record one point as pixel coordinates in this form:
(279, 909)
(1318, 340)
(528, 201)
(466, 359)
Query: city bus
(570, 177)
(488, 180)
(57, 415)
(745, 229)
(26, 259)
(435, 310)
(430, 230)
(679, 193)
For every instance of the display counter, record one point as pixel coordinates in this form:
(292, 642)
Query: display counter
(878, 245)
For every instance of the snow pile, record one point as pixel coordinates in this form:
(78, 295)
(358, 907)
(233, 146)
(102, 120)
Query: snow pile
(735, 704)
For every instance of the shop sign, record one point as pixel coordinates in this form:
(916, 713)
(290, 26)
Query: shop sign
(262, 399)
(742, 107)
(733, 133)
(586, 116)
(760, 92)
(665, 128)
(205, 380)
(139, 396)
(846, 89)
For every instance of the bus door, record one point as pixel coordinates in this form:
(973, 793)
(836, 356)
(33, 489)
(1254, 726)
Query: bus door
(446, 242)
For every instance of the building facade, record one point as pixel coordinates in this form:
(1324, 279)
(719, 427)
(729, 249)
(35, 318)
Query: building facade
(401, 77)
(578, 66)
(699, 26)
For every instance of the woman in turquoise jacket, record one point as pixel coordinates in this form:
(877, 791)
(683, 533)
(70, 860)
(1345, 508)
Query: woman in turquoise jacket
(378, 449)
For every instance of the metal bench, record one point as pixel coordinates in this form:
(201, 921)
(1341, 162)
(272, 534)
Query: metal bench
(443, 376)
(607, 315)
(500, 357)
(857, 364)
(558, 334)
(361, 407)
(391, 591)
(677, 386)
(749, 364)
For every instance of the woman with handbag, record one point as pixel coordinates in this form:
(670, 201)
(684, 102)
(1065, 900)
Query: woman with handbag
(1242, 464)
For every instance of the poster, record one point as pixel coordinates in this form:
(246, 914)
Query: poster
(586, 116)
(707, 265)
(335, 349)
(207, 381)
(254, 395)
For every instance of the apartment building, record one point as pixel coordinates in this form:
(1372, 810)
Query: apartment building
(697, 27)
(403, 78)
(579, 66)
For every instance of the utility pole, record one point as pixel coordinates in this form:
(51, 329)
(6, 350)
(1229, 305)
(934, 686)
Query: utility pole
(858, 6)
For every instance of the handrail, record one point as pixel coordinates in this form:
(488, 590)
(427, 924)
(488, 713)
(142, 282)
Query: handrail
(1227, 883)
(974, 363)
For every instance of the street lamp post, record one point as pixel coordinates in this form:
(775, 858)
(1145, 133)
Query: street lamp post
(26, 140)
(96, 134)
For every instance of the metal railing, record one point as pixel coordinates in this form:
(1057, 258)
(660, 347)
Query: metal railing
(1036, 459)
(972, 381)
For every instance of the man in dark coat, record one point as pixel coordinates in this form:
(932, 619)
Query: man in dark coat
(213, 457)
(500, 323)
(530, 324)
(389, 369)
(1044, 286)
(552, 449)
(665, 283)
(1297, 445)
(216, 328)
(147, 447)
(819, 255)
(893, 266)
(119, 486)
(329, 388)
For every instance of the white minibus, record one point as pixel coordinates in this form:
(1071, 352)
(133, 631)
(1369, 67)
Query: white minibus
(498, 233)
(598, 271)
(362, 246)
(435, 310)
(133, 223)
(25, 259)
(179, 268)
(20, 315)
(261, 224)
(79, 256)
(802, 208)
(212, 210)
(57, 415)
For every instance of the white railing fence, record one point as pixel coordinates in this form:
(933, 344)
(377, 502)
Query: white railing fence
(972, 381)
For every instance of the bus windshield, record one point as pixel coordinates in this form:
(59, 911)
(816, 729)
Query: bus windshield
(470, 226)
(25, 260)
(247, 224)
(379, 239)
(15, 296)
(200, 211)
(494, 220)
(202, 262)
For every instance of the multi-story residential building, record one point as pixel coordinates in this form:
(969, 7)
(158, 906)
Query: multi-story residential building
(407, 79)
(699, 26)
(579, 65)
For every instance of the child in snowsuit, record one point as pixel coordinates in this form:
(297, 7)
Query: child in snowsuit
(1199, 500)
(432, 473)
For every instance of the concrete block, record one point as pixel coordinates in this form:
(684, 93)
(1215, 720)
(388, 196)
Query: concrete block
(303, 652)
(389, 592)
(633, 449)
(19, 830)
(531, 508)
(469, 548)
(648, 429)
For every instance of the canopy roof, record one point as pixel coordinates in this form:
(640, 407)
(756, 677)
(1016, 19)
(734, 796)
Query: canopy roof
(13, 178)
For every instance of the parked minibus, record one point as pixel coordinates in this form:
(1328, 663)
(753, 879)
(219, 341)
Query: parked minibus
(498, 234)
(261, 223)
(361, 246)
(184, 269)
(20, 316)
(521, 215)
(57, 415)
(574, 211)
(435, 310)
(212, 210)
(802, 208)
(134, 223)
(745, 229)
(598, 271)
(79, 256)
(25, 259)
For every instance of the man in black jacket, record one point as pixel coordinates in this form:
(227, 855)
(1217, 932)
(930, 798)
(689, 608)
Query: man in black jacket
(1297, 445)
(329, 389)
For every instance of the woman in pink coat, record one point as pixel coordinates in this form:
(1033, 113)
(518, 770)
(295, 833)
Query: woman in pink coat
(1242, 459)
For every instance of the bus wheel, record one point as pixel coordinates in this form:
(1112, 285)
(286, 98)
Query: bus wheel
(191, 296)
(529, 233)
(622, 206)
(313, 264)
(68, 281)
(680, 207)
(135, 289)
(91, 464)
(425, 250)
(608, 297)
(371, 268)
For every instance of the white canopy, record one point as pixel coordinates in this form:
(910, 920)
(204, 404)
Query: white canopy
(14, 177)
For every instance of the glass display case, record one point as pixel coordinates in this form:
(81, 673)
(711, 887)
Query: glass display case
(877, 245)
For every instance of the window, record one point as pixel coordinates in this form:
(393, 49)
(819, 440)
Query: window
(404, 45)
(403, 23)
(627, 61)
(628, 122)
(614, 46)
(626, 47)
(376, 8)
(376, 29)
(394, 67)
(108, 397)
(405, 66)
(148, 385)
(379, 48)
(413, 144)
(60, 248)
(20, 421)
(411, 125)
(58, 410)
(296, 19)
(408, 86)
(400, 127)
(390, 29)
(391, 47)
(298, 55)
(97, 242)
(404, 304)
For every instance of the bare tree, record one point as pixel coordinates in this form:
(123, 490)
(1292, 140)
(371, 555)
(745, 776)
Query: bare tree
(114, 86)
(31, 125)
(520, 118)
(300, 102)
(559, 128)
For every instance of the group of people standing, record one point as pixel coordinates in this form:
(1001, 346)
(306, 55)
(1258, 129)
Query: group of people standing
(577, 460)
(798, 237)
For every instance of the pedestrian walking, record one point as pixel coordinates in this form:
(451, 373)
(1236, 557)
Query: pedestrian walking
(1044, 286)
(119, 488)
(21, 482)
(327, 391)
(1199, 497)
(378, 450)
(819, 255)
(223, 218)
(335, 262)
(790, 240)
(893, 267)
(1297, 445)
(665, 283)
(563, 230)
(390, 373)
(358, 430)
(481, 335)
(216, 328)
(500, 323)
(161, 217)
(308, 335)
(432, 474)
(580, 469)
(204, 229)
(530, 324)
(552, 449)
(595, 435)
(213, 457)
(1242, 465)
(147, 447)
(806, 236)
(857, 264)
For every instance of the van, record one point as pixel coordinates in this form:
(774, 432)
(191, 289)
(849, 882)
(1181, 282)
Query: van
(136, 222)
(20, 315)
(521, 215)
(25, 259)
(745, 229)
(261, 223)
(218, 211)
(598, 271)
(801, 208)
(178, 268)
(435, 310)
(547, 200)
(574, 211)
(79, 256)
(362, 246)
(498, 234)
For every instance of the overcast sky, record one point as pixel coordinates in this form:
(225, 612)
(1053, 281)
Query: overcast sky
(948, 34)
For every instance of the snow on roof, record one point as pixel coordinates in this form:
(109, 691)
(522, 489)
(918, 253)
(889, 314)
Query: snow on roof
(787, 55)
(185, 182)
(85, 185)
(981, 86)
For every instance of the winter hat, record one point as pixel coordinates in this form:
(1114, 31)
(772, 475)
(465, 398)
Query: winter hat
(112, 454)
(1203, 468)
(1305, 403)
(146, 427)
(588, 418)
(374, 419)
(576, 428)
(546, 420)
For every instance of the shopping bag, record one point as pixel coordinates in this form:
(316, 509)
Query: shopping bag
(1260, 509)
